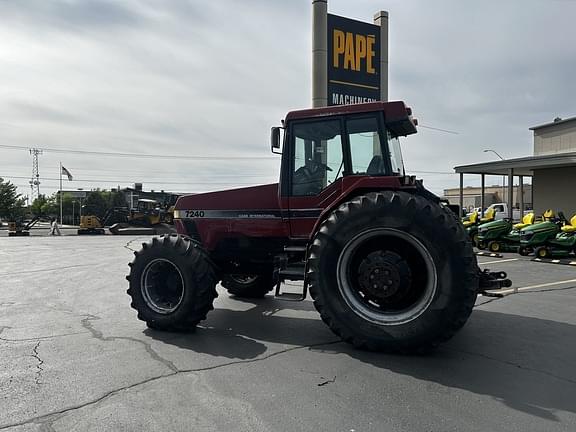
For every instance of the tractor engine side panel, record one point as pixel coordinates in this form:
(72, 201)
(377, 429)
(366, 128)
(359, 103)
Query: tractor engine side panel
(216, 217)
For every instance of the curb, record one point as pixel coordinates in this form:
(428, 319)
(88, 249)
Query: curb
(565, 261)
(489, 254)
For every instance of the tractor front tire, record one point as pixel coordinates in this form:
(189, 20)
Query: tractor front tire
(394, 272)
(249, 285)
(172, 283)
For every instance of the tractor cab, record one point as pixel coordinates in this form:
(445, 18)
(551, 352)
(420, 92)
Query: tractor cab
(330, 152)
(337, 142)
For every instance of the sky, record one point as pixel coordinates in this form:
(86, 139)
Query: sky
(209, 79)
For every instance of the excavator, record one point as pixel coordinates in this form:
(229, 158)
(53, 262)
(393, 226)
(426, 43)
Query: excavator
(148, 217)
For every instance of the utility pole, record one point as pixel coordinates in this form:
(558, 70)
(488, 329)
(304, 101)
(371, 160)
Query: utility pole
(35, 180)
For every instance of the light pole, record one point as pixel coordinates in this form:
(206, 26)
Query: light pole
(495, 152)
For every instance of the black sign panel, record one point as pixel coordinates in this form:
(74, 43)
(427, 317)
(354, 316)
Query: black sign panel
(353, 61)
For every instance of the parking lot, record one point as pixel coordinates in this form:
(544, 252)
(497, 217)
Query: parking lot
(73, 357)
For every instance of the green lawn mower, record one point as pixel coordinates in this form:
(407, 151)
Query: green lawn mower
(475, 221)
(562, 244)
(501, 235)
(498, 236)
(534, 236)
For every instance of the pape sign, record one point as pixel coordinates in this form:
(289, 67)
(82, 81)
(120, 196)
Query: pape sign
(353, 61)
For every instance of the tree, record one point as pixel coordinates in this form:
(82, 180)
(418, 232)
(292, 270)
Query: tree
(95, 204)
(11, 202)
(43, 206)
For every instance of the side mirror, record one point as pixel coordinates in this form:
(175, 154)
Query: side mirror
(275, 140)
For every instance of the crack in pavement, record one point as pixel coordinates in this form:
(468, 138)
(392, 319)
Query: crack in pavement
(46, 269)
(50, 418)
(39, 338)
(511, 363)
(87, 324)
(323, 383)
(129, 243)
(39, 368)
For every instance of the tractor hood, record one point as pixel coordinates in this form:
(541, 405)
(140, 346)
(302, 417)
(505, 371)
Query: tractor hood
(264, 197)
(497, 224)
(540, 226)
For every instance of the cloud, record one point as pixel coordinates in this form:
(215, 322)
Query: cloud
(198, 78)
(70, 15)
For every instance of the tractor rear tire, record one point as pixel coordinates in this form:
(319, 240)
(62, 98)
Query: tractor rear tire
(172, 283)
(248, 286)
(394, 272)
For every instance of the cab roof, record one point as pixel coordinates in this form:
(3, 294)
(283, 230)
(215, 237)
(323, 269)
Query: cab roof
(397, 115)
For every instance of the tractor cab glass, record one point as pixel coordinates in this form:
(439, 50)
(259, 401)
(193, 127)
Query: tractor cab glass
(325, 150)
(365, 146)
(317, 157)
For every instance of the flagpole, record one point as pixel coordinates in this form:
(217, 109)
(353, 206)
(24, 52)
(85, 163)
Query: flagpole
(60, 192)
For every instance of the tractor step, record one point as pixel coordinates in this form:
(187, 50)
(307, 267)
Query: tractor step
(294, 272)
(295, 248)
(290, 296)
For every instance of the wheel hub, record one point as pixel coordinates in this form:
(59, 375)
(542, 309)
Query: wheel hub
(379, 276)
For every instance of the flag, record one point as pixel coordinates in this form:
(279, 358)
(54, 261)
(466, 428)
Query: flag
(67, 173)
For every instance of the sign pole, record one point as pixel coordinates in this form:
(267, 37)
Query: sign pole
(381, 19)
(319, 53)
(60, 193)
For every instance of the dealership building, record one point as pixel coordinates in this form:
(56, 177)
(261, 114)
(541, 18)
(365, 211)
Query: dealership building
(552, 167)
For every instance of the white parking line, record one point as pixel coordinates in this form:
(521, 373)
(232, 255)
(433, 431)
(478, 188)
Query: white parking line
(498, 261)
(544, 285)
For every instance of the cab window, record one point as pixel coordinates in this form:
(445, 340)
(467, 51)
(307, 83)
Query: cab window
(318, 159)
(365, 146)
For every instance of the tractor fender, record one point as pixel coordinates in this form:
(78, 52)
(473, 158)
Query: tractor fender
(364, 185)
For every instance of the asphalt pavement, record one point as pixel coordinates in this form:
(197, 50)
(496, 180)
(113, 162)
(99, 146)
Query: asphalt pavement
(74, 357)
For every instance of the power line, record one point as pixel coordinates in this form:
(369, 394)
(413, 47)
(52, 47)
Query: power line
(141, 155)
(131, 181)
(439, 130)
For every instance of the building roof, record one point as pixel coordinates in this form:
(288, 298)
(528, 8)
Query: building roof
(524, 166)
(554, 123)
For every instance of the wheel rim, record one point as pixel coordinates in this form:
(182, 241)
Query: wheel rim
(386, 286)
(243, 279)
(162, 286)
(495, 247)
(542, 253)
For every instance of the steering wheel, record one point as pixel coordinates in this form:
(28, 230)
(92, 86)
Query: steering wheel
(318, 165)
(308, 178)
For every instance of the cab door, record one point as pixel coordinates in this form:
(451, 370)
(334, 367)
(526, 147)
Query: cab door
(317, 165)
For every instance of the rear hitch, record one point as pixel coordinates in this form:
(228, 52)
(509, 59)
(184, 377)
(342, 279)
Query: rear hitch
(492, 281)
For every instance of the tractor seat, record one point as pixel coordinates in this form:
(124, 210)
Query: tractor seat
(471, 220)
(488, 216)
(376, 166)
(570, 228)
(548, 215)
(526, 220)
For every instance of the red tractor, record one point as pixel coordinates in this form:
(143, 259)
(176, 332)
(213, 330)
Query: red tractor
(388, 264)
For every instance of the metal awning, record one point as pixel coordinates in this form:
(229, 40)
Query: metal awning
(524, 166)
